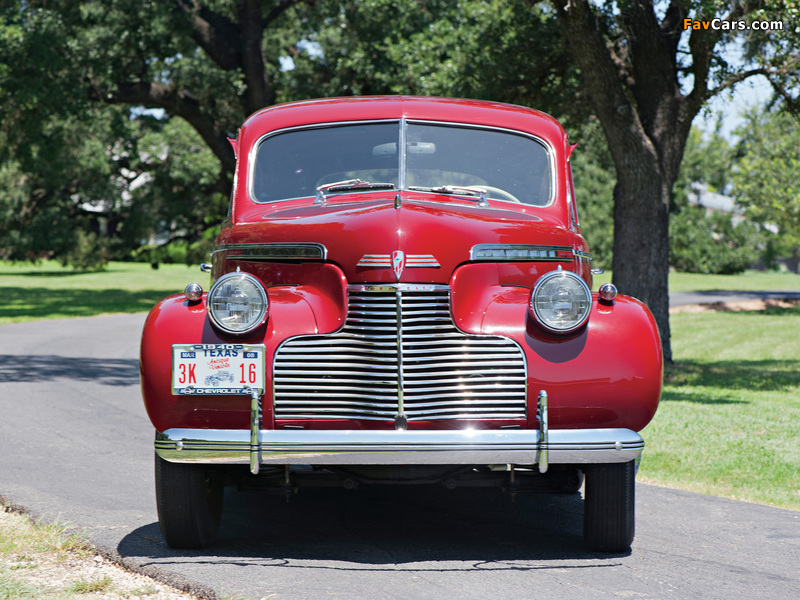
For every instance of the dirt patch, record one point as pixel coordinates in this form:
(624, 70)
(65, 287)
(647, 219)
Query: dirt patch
(39, 564)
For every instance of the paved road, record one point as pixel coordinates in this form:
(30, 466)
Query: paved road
(76, 445)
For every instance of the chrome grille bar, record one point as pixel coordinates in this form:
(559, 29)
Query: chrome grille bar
(399, 355)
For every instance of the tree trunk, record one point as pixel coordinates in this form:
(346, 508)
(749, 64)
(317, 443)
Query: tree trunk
(641, 243)
(634, 92)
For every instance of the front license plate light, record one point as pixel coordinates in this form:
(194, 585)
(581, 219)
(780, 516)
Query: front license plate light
(211, 369)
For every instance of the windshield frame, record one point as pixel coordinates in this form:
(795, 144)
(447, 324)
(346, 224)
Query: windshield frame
(403, 124)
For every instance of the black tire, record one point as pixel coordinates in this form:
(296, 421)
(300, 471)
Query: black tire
(189, 503)
(608, 507)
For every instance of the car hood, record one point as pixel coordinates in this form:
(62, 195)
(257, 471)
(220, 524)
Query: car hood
(363, 238)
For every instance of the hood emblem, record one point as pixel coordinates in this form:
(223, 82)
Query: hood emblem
(398, 262)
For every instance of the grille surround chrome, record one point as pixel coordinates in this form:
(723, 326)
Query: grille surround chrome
(399, 357)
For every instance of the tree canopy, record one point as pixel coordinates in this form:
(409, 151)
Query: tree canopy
(648, 70)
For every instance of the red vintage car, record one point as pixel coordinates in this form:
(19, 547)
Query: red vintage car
(401, 294)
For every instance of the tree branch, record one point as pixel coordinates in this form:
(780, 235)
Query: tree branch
(731, 81)
(701, 46)
(278, 11)
(219, 38)
(604, 83)
(259, 92)
(180, 104)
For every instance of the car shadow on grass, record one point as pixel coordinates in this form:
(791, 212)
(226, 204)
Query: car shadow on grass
(424, 528)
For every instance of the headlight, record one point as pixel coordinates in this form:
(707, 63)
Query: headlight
(237, 303)
(561, 301)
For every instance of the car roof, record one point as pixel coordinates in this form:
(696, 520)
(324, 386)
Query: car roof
(370, 108)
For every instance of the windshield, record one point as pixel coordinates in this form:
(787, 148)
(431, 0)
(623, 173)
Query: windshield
(439, 158)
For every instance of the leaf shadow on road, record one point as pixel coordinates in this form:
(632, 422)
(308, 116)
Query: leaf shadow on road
(417, 528)
(35, 368)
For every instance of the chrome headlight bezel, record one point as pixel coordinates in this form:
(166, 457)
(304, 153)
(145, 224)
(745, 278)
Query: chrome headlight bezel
(577, 293)
(253, 318)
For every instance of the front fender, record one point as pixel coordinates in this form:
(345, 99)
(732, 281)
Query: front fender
(607, 375)
(294, 310)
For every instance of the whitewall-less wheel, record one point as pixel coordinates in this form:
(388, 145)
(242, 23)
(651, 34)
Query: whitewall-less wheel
(189, 502)
(608, 508)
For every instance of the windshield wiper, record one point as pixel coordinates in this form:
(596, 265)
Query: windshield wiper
(456, 190)
(348, 185)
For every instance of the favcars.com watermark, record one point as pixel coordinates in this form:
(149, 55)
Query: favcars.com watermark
(725, 25)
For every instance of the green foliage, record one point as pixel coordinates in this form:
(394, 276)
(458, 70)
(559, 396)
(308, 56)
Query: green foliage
(707, 161)
(84, 178)
(702, 242)
(765, 181)
(506, 50)
(86, 169)
(593, 174)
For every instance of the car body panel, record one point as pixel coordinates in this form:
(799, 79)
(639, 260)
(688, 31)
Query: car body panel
(605, 375)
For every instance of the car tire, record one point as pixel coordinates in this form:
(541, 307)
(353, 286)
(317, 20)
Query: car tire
(189, 503)
(608, 507)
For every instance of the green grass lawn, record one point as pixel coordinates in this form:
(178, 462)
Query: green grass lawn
(728, 420)
(747, 281)
(50, 291)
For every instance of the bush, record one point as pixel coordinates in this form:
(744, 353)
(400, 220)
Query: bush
(712, 243)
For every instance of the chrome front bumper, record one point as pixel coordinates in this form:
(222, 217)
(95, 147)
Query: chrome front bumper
(350, 447)
(258, 447)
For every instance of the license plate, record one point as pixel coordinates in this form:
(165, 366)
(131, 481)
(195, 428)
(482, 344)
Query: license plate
(217, 368)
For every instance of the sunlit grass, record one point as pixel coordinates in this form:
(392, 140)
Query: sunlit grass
(727, 423)
(50, 291)
(747, 282)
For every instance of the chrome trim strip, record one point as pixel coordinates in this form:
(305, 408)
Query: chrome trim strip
(400, 419)
(582, 254)
(385, 261)
(339, 447)
(403, 287)
(402, 154)
(281, 251)
(517, 253)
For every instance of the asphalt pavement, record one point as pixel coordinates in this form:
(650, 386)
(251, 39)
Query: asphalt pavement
(76, 446)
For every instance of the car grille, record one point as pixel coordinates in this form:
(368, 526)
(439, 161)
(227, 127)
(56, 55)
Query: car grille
(399, 347)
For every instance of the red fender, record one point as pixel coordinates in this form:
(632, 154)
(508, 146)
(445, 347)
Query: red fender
(608, 374)
(293, 310)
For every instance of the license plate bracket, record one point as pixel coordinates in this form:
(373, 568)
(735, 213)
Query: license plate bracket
(211, 369)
